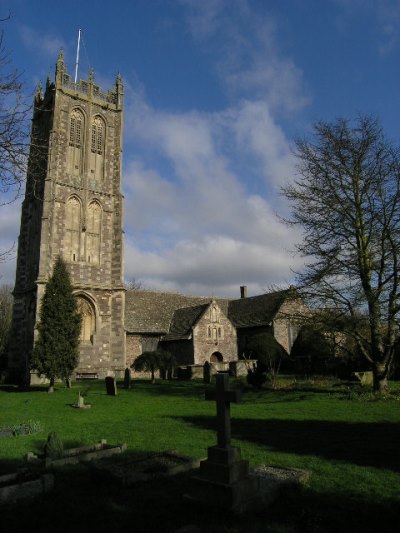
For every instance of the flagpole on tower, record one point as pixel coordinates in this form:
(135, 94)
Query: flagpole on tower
(77, 56)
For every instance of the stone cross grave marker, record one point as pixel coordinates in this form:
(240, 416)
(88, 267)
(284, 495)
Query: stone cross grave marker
(223, 479)
(223, 397)
(111, 386)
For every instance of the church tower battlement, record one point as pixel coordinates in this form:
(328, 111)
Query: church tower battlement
(73, 207)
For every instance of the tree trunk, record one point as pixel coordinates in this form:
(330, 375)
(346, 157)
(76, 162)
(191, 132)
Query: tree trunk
(153, 379)
(51, 386)
(380, 378)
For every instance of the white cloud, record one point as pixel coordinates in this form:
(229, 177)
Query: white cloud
(196, 220)
(244, 44)
(384, 13)
(215, 264)
(197, 227)
(47, 45)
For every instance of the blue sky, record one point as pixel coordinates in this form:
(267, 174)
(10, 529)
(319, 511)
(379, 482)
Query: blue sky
(215, 93)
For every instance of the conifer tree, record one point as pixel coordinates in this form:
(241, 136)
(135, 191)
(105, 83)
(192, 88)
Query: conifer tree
(56, 353)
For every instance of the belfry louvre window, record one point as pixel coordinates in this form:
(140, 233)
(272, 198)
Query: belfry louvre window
(97, 135)
(93, 233)
(73, 229)
(97, 148)
(75, 142)
(75, 132)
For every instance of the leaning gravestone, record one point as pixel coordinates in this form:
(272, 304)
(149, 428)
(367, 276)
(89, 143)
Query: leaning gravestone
(127, 378)
(111, 386)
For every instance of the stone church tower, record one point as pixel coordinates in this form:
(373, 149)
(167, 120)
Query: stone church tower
(73, 207)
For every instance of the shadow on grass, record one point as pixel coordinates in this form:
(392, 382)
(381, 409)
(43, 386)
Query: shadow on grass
(365, 444)
(15, 388)
(165, 387)
(86, 499)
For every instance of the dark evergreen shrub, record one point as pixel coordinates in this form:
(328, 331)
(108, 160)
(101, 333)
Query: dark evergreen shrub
(56, 352)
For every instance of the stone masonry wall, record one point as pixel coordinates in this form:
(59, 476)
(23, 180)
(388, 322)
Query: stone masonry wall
(287, 323)
(224, 343)
(44, 235)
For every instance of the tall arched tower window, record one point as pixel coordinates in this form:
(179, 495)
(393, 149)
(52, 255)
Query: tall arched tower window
(73, 229)
(88, 316)
(93, 232)
(97, 148)
(76, 133)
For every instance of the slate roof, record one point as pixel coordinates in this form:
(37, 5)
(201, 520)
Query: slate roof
(182, 322)
(256, 310)
(152, 312)
(173, 315)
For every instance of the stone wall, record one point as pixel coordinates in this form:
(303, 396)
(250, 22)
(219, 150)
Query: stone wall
(288, 321)
(133, 348)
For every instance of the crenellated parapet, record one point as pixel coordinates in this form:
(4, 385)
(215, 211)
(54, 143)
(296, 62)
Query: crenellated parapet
(88, 88)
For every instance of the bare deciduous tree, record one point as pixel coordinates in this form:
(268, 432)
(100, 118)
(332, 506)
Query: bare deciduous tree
(14, 132)
(14, 128)
(6, 303)
(346, 198)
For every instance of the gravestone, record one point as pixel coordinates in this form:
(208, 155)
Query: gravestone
(207, 372)
(81, 401)
(127, 378)
(224, 478)
(111, 386)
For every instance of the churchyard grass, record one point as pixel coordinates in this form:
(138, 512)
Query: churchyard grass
(340, 432)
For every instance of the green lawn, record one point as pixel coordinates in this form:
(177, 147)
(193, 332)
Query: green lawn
(347, 439)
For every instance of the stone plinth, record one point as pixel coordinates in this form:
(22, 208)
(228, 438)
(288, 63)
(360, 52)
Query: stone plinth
(224, 480)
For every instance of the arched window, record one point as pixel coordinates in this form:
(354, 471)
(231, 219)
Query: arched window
(97, 148)
(88, 316)
(75, 142)
(93, 232)
(73, 229)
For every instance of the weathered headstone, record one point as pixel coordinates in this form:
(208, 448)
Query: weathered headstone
(54, 447)
(81, 401)
(127, 378)
(224, 478)
(111, 386)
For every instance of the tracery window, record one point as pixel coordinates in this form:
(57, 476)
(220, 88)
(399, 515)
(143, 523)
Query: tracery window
(73, 229)
(88, 327)
(75, 142)
(93, 232)
(97, 148)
